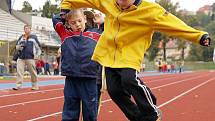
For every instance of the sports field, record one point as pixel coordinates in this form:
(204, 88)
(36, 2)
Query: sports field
(181, 97)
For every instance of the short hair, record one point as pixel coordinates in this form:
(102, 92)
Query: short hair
(74, 12)
(27, 25)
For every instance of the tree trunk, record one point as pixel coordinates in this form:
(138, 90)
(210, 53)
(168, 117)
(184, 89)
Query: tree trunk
(164, 51)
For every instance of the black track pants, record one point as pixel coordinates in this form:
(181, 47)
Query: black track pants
(122, 84)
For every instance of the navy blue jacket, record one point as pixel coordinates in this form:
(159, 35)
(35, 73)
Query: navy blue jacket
(31, 47)
(76, 50)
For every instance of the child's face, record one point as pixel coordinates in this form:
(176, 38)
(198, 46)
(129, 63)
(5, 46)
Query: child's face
(77, 22)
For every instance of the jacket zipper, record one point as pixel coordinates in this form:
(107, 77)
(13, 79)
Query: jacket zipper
(116, 36)
(78, 50)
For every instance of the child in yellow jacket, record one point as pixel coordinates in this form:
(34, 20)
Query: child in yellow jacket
(128, 29)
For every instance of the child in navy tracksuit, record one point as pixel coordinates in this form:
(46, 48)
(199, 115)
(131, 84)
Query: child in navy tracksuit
(81, 72)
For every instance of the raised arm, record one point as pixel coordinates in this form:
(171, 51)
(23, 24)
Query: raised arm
(74, 4)
(58, 23)
(167, 23)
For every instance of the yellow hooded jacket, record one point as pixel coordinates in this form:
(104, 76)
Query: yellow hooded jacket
(128, 33)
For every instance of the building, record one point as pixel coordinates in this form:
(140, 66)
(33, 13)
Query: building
(207, 9)
(11, 27)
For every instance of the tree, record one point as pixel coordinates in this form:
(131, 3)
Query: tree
(49, 10)
(203, 19)
(213, 12)
(172, 8)
(195, 53)
(182, 45)
(192, 21)
(153, 50)
(26, 7)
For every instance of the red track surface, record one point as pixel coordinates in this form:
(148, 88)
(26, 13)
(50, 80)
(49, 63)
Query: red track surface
(181, 97)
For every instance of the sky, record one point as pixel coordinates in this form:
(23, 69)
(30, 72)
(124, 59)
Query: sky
(191, 5)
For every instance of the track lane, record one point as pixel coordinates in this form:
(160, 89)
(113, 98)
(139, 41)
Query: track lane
(109, 110)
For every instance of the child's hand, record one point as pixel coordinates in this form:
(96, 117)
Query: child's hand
(205, 40)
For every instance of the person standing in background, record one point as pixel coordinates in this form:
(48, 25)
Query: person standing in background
(28, 48)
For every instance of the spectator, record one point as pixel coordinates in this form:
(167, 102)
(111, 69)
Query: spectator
(42, 66)
(55, 67)
(58, 61)
(38, 67)
(160, 65)
(29, 49)
(47, 68)
(172, 68)
(168, 68)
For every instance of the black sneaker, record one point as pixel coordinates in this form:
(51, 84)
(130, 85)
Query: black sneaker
(16, 88)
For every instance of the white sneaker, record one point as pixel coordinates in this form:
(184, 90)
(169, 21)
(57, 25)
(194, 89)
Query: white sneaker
(35, 88)
(159, 115)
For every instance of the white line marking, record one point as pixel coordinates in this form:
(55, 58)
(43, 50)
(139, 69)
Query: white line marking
(57, 113)
(108, 100)
(7, 90)
(176, 82)
(182, 94)
(42, 117)
(31, 92)
(23, 103)
(102, 102)
(171, 77)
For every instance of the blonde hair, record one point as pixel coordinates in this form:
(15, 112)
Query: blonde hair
(74, 13)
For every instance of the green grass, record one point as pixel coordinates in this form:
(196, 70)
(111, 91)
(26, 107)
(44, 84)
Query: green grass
(199, 65)
(7, 78)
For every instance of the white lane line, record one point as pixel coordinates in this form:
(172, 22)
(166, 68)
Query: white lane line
(172, 77)
(186, 92)
(102, 102)
(177, 82)
(160, 80)
(46, 116)
(58, 113)
(31, 92)
(108, 100)
(35, 101)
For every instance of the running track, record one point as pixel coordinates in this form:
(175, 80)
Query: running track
(181, 97)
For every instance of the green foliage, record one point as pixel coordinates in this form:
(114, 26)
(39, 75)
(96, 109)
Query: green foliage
(190, 20)
(200, 21)
(172, 8)
(211, 27)
(203, 19)
(182, 45)
(200, 53)
(49, 10)
(153, 50)
(199, 65)
(26, 7)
